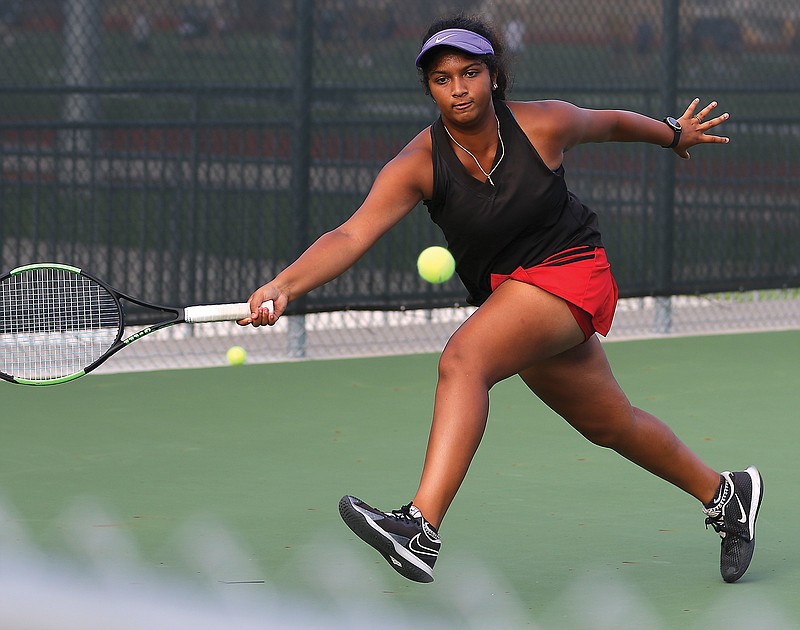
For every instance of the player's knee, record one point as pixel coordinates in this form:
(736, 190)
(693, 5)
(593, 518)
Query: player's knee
(452, 361)
(608, 431)
(458, 360)
(603, 436)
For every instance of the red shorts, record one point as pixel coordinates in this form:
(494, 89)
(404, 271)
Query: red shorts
(581, 276)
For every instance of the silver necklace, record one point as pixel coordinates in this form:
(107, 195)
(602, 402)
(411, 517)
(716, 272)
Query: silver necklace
(469, 153)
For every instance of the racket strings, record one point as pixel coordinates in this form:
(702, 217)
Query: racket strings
(54, 323)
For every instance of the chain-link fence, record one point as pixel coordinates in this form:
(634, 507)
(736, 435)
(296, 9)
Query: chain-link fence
(186, 150)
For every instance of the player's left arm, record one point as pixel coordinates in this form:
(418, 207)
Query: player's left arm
(572, 125)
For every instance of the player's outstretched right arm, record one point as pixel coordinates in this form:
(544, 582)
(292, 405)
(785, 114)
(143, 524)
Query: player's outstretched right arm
(398, 188)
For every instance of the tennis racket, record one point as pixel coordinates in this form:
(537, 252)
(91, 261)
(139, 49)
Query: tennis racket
(59, 323)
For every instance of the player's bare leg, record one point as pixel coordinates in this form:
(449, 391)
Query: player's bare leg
(596, 406)
(579, 386)
(517, 326)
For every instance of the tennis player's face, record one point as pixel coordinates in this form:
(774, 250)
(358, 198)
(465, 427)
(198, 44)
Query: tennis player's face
(461, 86)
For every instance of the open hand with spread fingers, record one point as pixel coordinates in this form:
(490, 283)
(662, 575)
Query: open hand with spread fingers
(696, 125)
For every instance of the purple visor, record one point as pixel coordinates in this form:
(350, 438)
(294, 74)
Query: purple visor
(457, 38)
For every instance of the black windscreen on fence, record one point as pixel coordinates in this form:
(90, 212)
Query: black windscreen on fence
(186, 151)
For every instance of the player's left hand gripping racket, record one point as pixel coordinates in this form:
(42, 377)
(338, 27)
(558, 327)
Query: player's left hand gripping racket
(59, 323)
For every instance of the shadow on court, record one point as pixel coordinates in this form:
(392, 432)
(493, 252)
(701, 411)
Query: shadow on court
(231, 476)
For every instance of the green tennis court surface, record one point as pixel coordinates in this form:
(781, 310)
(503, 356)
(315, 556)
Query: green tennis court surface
(229, 478)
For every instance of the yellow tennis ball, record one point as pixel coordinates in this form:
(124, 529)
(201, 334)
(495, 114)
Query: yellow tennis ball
(236, 355)
(436, 264)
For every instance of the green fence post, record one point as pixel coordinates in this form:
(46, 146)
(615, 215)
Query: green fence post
(83, 36)
(665, 205)
(301, 158)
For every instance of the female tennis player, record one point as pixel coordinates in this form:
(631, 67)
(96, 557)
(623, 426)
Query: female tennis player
(531, 256)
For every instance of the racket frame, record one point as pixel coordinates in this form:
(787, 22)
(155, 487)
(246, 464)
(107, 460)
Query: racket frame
(232, 312)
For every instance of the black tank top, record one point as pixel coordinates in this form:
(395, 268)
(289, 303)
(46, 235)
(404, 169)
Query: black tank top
(525, 217)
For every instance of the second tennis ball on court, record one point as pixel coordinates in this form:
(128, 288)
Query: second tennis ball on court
(236, 355)
(435, 264)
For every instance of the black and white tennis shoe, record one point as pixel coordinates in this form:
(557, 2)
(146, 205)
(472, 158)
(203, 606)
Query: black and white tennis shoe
(733, 517)
(403, 537)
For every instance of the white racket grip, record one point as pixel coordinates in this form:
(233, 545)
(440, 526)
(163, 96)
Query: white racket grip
(220, 312)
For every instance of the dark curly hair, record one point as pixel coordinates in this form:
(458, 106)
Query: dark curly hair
(496, 62)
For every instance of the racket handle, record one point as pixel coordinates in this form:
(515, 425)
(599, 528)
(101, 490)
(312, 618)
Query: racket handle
(219, 312)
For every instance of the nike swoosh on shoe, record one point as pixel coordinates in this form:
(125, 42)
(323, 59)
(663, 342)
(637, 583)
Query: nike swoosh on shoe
(743, 518)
